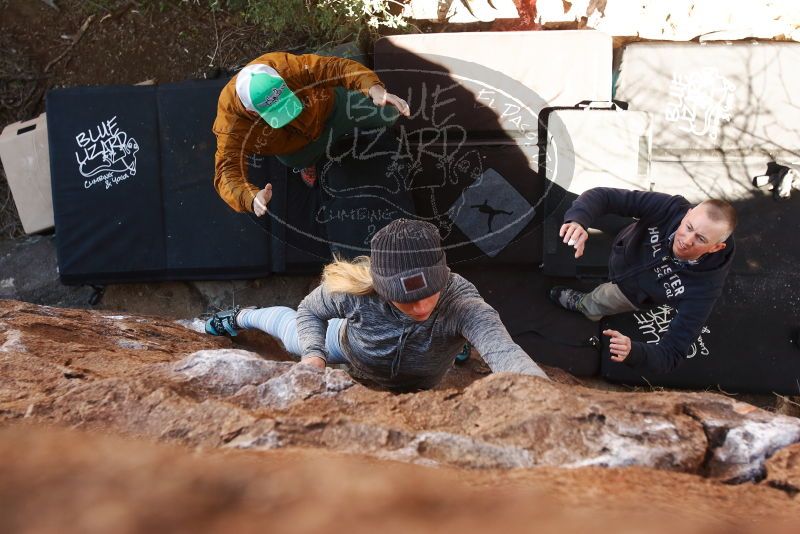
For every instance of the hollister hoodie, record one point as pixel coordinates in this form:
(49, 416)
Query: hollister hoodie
(643, 267)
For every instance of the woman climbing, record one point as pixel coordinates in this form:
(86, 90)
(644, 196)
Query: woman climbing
(397, 318)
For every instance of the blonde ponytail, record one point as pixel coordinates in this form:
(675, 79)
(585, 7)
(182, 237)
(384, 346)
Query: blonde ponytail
(352, 277)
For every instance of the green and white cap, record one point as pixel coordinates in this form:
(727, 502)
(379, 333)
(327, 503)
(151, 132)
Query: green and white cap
(261, 89)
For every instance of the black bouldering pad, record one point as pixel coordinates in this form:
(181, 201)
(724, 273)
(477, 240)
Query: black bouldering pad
(747, 345)
(204, 237)
(549, 334)
(106, 180)
(132, 186)
(364, 192)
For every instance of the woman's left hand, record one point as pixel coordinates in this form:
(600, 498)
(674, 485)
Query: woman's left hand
(380, 97)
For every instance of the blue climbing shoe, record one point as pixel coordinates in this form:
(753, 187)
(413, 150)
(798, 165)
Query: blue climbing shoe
(223, 323)
(463, 356)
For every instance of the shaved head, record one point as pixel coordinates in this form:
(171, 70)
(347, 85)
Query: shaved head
(720, 211)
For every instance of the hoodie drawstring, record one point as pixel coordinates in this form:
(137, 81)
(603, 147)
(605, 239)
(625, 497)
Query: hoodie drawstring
(401, 344)
(398, 355)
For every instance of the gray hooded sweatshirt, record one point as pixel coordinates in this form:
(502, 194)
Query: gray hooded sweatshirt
(384, 345)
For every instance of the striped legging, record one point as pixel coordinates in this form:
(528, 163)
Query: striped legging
(281, 322)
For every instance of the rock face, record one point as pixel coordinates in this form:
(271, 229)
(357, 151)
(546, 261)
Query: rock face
(54, 480)
(783, 470)
(154, 378)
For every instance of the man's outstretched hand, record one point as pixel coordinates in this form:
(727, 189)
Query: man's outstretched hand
(619, 345)
(380, 97)
(575, 236)
(261, 200)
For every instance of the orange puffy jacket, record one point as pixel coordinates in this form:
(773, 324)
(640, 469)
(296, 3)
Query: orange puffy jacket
(241, 133)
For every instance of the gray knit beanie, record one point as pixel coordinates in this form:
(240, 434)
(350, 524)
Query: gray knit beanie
(407, 261)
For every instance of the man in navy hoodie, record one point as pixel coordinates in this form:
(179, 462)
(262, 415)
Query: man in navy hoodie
(673, 254)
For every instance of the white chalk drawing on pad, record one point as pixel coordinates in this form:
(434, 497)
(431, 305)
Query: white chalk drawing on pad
(106, 154)
(700, 101)
(653, 324)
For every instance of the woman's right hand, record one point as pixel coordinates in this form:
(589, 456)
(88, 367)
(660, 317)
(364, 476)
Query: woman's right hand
(313, 361)
(261, 200)
(574, 235)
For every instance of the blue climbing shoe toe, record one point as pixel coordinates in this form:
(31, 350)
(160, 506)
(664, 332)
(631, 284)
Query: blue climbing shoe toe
(223, 323)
